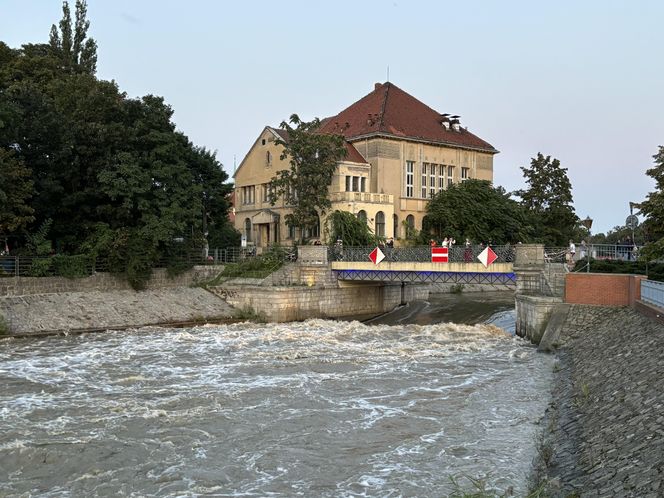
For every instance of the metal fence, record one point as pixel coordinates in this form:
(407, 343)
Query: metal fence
(652, 292)
(607, 251)
(422, 254)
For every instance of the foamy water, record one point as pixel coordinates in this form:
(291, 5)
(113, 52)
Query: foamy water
(319, 408)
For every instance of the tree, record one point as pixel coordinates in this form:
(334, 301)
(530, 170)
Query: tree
(474, 209)
(313, 160)
(548, 200)
(653, 209)
(351, 230)
(15, 192)
(75, 52)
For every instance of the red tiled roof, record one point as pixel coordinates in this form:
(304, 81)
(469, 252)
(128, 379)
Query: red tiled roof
(352, 154)
(388, 110)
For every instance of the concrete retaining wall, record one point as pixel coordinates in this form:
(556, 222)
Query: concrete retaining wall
(532, 315)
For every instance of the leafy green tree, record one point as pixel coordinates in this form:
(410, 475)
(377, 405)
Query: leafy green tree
(476, 210)
(548, 199)
(653, 209)
(350, 230)
(15, 191)
(313, 160)
(75, 51)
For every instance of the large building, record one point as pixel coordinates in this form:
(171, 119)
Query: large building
(400, 152)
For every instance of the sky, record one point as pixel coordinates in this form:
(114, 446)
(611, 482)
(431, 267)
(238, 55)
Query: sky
(579, 81)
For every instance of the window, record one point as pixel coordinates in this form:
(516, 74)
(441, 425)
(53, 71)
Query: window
(441, 177)
(263, 141)
(356, 184)
(291, 232)
(464, 174)
(247, 229)
(248, 195)
(266, 192)
(362, 215)
(410, 171)
(450, 176)
(410, 226)
(313, 232)
(395, 226)
(363, 184)
(268, 158)
(348, 183)
(380, 224)
(424, 180)
(432, 180)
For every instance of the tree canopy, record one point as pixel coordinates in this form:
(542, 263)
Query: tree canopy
(653, 209)
(476, 210)
(313, 160)
(548, 199)
(111, 172)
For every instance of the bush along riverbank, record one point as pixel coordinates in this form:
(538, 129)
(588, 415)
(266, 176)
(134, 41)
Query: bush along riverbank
(604, 431)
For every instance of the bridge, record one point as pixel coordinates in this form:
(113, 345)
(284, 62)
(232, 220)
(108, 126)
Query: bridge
(415, 265)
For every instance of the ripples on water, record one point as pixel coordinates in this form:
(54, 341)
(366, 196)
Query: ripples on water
(320, 408)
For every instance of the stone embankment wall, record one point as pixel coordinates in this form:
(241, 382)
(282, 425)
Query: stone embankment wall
(604, 431)
(290, 303)
(23, 286)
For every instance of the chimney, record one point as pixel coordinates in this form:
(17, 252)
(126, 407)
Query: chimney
(377, 86)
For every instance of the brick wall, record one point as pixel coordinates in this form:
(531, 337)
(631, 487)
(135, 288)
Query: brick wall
(604, 289)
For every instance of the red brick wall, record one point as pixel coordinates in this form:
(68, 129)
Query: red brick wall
(605, 289)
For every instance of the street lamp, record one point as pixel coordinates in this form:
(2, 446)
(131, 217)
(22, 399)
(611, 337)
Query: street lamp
(588, 223)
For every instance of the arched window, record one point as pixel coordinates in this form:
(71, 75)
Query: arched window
(362, 215)
(410, 222)
(268, 158)
(247, 228)
(314, 231)
(395, 226)
(380, 224)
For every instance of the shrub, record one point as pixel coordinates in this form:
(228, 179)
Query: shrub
(40, 267)
(73, 266)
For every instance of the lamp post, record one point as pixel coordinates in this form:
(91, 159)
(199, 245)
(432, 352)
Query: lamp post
(588, 223)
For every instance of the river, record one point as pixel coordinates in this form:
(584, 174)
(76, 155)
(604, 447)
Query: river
(318, 408)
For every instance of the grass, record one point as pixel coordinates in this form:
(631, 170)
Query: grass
(249, 314)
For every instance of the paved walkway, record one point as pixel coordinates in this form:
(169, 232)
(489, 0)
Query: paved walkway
(605, 430)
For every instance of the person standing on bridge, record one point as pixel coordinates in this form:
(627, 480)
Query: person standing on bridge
(570, 254)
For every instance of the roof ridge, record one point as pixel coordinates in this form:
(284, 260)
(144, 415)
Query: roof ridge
(384, 105)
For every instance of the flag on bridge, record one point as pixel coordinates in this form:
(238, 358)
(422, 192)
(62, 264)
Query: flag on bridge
(439, 254)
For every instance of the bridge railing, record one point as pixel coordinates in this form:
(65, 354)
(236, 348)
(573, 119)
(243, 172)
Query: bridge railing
(653, 292)
(419, 254)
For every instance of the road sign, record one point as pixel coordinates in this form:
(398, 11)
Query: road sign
(632, 221)
(376, 256)
(487, 256)
(439, 255)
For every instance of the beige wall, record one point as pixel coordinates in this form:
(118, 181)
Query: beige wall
(385, 173)
(388, 159)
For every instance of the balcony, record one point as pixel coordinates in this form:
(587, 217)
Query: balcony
(365, 197)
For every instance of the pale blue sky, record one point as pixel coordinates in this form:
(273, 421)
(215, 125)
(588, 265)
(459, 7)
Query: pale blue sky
(582, 81)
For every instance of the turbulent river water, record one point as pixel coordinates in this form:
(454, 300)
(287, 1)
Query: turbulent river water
(319, 408)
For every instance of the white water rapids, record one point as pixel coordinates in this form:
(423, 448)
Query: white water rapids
(319, 408)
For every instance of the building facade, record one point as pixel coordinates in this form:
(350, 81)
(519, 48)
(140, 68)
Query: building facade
(400, 153)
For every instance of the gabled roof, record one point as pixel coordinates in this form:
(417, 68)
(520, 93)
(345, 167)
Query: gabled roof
(352, 154)
(388, 110)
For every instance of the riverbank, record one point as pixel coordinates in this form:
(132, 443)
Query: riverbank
(74, 312)
(604, 432)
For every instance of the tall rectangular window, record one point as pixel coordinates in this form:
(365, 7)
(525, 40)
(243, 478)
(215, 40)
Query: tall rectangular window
(356, 184)
(441, 177)
(424, 180)
(248, 195)
(450, 176)
(410, 173)
(348, 183)
(363, 184)
(266, 192)
(432, 180)
(464, 174)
